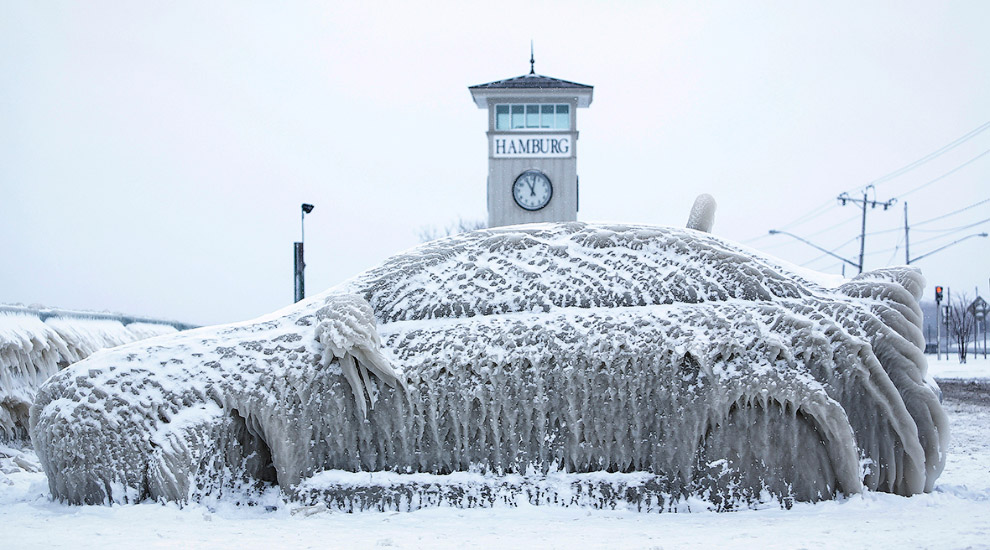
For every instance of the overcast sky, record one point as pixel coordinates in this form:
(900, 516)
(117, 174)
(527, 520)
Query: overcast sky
(153, 155)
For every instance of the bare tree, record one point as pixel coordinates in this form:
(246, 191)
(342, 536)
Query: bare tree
(432, 232)
(961, 324)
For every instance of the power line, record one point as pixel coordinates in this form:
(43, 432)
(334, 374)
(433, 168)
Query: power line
(944, 233)
(812, 214)
(861, 237)
(948, 229)
(847, 243)
(963, 209)
(831, 227)
(956, 230)
(815, 259)
(815, 212)
(943, 230)
(834, 250)
(954, 212)
(941, 248)
(897, 247)
(930, 156)
(882, 231)
(893, 249)
(949, 173)
(819, 232)
(825, 207)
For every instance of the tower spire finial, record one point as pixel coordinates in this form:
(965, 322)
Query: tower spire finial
(532, 62)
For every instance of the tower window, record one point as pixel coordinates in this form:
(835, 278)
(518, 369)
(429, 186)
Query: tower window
(563, 117)
(501, 116)
(518, 116)
(546, 116)
(533, 116)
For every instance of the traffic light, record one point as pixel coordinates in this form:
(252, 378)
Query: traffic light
(938, 294)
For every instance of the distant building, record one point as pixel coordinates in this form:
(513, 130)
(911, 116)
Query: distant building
(532, 147)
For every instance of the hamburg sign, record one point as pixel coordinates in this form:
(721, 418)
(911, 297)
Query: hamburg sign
(531, 146)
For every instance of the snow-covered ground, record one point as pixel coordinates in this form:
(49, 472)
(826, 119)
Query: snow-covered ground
(955, 515)
(976, 367)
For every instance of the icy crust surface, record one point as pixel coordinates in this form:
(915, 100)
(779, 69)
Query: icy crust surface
(561, 349)
(540, 267)
(31, 350)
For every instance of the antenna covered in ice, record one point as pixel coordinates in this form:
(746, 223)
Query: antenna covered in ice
(702, 216)
(532, 62)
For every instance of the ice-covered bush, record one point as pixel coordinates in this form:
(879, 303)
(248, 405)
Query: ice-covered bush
(32, 349)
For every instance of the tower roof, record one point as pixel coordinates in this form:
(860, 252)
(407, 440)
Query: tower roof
(531, 80)
(531, 85)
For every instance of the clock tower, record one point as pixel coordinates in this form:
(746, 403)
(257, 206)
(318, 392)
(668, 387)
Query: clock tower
(532, 147)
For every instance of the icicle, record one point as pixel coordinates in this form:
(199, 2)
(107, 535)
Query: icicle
(346, 329)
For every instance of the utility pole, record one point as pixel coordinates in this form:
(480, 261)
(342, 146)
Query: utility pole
(907, 241)
(844, 198)
(976, 335)
(946, 316)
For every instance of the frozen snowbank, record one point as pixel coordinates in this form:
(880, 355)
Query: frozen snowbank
(953, 515)
(975, 367)
(31, 350)
(567, 347)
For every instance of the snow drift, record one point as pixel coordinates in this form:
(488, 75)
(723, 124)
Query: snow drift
(650, 363)
(32, 349)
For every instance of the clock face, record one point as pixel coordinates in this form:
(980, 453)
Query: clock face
(532, 190)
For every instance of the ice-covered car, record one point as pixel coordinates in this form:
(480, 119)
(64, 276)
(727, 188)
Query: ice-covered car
(569, 363)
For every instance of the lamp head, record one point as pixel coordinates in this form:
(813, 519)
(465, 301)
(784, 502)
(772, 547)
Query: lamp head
(307, 208)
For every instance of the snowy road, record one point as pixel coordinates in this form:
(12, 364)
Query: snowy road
(955, 515)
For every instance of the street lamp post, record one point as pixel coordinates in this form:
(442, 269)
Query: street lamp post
(829, 252)
(957, 241)
(299, 264)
